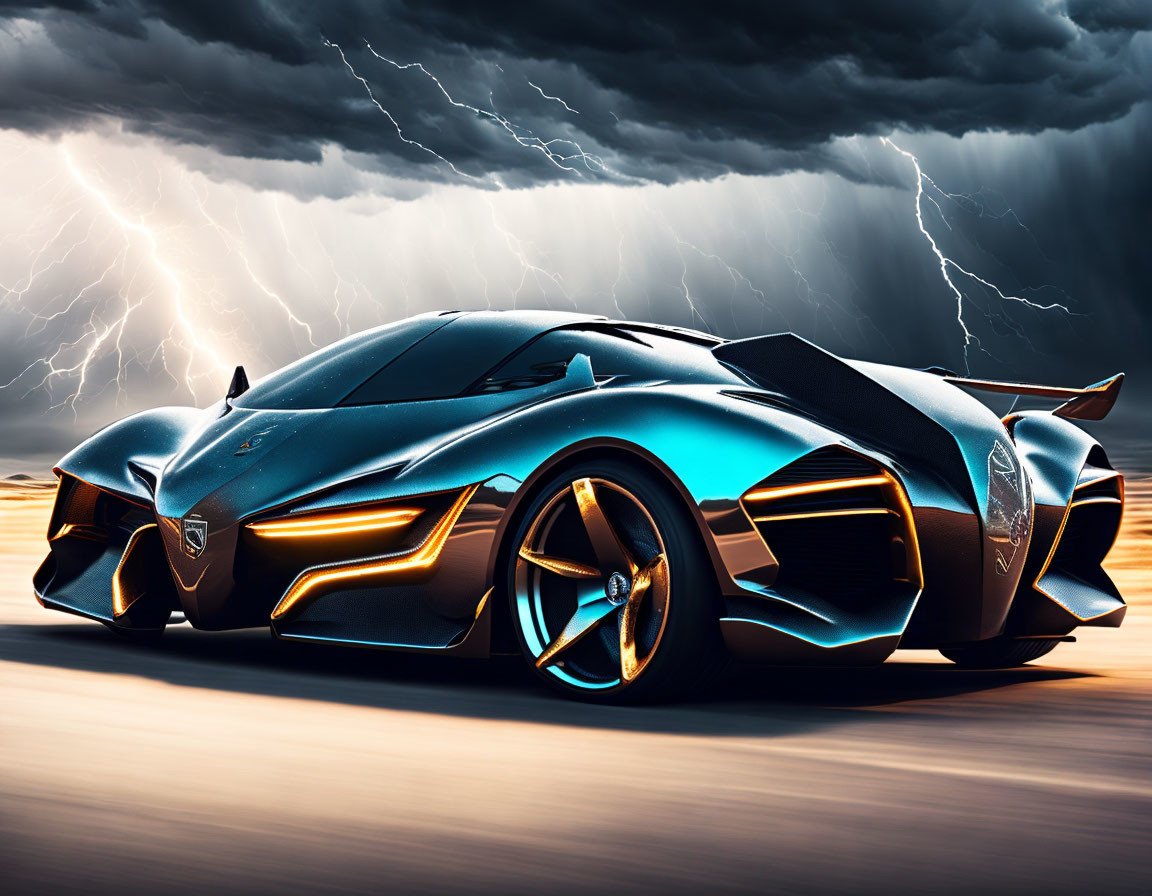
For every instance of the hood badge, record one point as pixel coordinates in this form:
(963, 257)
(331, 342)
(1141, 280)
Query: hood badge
(252, 442)
(193, 536)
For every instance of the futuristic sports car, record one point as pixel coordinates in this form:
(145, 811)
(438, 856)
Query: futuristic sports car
(626, 504)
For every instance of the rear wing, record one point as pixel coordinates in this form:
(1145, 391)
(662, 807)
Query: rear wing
(1090, 403)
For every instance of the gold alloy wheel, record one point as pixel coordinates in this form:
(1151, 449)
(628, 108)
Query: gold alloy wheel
(592, 585)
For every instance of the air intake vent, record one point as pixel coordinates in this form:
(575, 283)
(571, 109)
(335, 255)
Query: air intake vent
(827, 463)
(839, 526)
(1098, 482)
(1072, 575)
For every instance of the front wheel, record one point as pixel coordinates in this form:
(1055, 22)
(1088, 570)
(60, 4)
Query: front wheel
(612, 597)
(999, 653)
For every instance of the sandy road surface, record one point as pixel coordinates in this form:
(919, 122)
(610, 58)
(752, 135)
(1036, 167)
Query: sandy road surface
(234, 763)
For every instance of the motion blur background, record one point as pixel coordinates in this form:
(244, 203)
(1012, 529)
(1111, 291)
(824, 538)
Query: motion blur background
(191, 186)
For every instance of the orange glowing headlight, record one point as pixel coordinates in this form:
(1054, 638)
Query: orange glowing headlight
(422, 557)
(344, 524)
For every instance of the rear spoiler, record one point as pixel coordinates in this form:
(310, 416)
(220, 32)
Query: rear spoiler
(1090, 403)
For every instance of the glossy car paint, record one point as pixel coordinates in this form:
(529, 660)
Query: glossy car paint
(712, 443)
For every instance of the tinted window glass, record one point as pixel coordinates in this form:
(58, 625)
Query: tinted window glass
(323, 378)
(638, 356)
(446, 363)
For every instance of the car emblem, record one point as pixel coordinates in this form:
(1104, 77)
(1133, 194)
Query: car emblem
(195, 536)
(617, 588)
(252, 442)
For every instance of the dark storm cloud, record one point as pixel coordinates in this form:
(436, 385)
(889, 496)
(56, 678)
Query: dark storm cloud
(663, 91)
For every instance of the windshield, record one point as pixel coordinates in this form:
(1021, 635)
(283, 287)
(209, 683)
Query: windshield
(445, 364)
(323, 378)
(433, 357)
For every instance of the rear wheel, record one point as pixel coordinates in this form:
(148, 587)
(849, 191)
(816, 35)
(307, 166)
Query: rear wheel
(999, 653)
(611, 597)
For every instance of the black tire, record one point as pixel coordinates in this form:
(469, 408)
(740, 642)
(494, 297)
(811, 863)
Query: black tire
(999, 653)
(688, 650)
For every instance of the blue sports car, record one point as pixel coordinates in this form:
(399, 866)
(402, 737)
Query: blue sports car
(627, 505)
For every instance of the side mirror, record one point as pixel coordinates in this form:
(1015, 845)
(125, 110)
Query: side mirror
(239, 384)
(578, 373)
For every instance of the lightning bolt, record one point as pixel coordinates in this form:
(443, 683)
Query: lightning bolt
(301, 267)
(144, 306)
(528, 269)
(810, 223)
(520, 134)
(150, 279)
(553, 98)
(399, 131)
(235, 245)
(613, 289)
(185, 335)
(17, 293)
(948, 264)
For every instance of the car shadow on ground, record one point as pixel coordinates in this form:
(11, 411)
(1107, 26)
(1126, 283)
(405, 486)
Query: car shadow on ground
(745, 701)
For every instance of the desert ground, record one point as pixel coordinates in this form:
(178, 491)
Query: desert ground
(233, 763)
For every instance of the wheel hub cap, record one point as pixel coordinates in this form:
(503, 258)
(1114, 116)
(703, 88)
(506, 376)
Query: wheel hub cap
(617, 588)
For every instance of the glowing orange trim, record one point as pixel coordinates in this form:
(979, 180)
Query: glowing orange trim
(421, 558)
(79, 530)
(1099, 499)
(482, 605)
(66, 529)
(856, 511)
(120, 606)
(308, 527)
(808, 488)
(905, 514)
(915, 570)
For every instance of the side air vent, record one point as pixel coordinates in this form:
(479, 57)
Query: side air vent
(1100, 485)
(89, 534)
(839, 526)
(1072, 575)
(825, 464)
(85, 511)
(1064, 584)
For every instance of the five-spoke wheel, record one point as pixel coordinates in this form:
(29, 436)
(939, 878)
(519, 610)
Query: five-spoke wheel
(609, 597)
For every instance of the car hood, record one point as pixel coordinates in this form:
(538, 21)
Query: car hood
(249, 461)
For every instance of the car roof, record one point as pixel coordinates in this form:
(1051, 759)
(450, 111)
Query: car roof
(526, 324)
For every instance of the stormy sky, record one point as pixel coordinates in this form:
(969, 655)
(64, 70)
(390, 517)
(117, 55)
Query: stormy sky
(191, 185)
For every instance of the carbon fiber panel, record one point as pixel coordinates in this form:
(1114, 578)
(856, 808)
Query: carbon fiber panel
(397, 616)
(83, 579)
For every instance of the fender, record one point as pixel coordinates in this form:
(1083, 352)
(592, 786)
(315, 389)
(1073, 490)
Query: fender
(589, 448)
(1055, 452)
(759, 440)
(127, 456)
